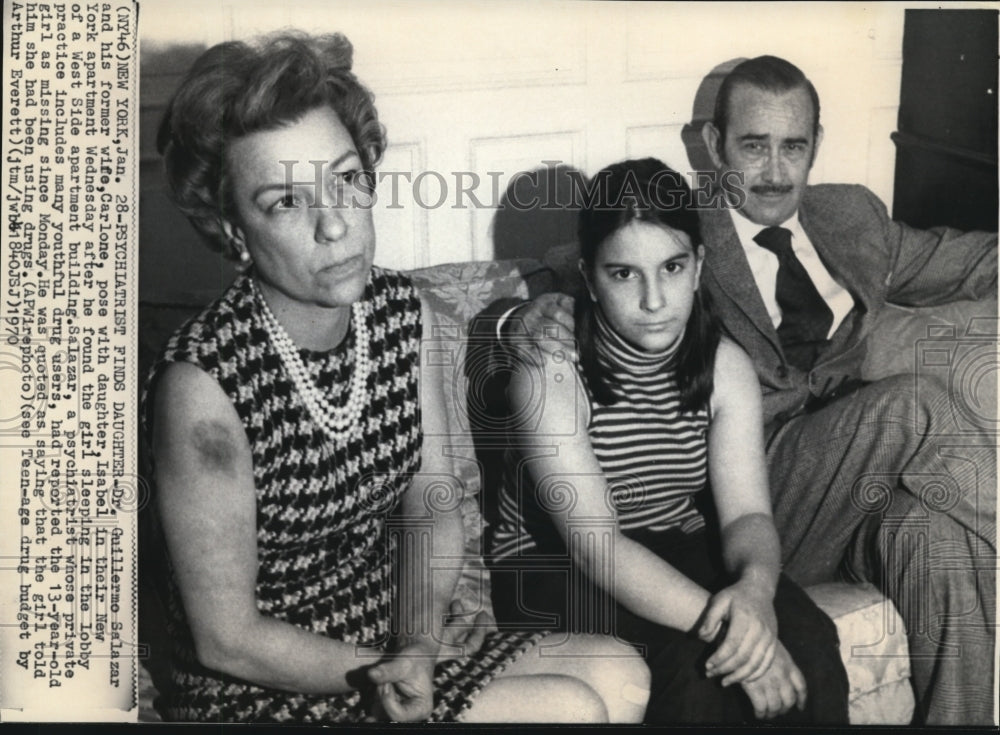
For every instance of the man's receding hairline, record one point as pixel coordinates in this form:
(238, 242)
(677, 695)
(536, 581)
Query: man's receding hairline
(749, 84)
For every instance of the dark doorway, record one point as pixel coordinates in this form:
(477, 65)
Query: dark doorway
(946, 142)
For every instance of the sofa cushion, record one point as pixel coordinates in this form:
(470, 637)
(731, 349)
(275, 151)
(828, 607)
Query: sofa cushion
(456, 294)
(874, 651)
(460, 291)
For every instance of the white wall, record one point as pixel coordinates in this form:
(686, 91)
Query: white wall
(505, 86)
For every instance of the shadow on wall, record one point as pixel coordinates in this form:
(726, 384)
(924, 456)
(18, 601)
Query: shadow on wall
(538, 212)
(176, 268)
(702, 111)
(178, 273)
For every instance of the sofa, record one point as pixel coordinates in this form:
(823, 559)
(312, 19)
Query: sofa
(872, 635)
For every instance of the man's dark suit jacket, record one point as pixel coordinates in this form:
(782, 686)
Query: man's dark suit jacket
(875, 259)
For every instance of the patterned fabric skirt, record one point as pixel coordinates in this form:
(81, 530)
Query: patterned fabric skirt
(456, 684)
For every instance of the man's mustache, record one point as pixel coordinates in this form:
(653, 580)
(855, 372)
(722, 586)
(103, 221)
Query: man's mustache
(771, 189)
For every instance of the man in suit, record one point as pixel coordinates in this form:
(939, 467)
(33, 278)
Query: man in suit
(870, 481)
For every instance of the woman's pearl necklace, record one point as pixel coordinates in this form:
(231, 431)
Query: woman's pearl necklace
(339, 422)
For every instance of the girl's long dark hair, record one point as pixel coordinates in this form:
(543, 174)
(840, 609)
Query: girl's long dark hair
(644, 190)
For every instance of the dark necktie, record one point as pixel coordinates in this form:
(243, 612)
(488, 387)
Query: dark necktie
(805, 317)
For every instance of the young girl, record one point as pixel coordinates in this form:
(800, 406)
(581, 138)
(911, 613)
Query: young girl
(612, 472)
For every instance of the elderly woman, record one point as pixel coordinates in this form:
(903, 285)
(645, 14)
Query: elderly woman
(309, 547)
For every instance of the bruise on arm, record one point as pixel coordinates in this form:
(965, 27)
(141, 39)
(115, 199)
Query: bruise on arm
(214, 446)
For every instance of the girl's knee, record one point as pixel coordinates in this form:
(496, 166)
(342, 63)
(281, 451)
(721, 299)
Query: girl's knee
(624, 663)
(617, 672)
(540, 698)
(580, 702)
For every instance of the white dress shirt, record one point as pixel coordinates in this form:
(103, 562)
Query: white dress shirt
(764, 266)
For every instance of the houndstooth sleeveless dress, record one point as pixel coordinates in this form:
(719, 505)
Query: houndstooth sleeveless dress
(323, 546)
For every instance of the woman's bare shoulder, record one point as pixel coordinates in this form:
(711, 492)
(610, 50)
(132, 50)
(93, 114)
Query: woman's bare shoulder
(195, 420)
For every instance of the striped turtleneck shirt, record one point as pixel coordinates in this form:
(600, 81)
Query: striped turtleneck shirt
(654, 455)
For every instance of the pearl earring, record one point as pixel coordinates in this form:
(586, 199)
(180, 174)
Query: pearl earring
(244, 260)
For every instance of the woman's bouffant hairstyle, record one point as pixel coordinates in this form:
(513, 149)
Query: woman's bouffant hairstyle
(644, 190)
(237, 88)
